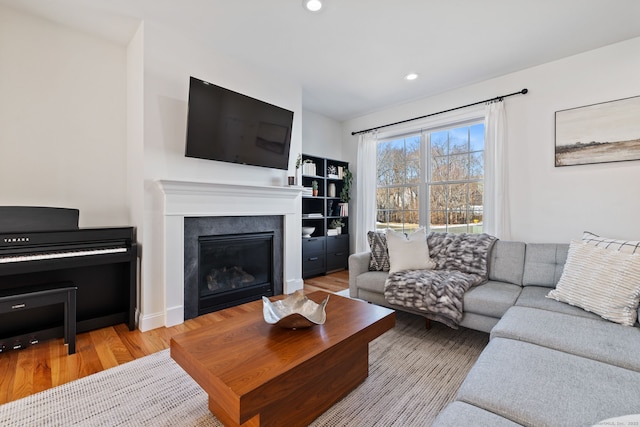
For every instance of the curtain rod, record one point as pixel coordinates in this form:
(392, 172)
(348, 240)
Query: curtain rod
(522, 92)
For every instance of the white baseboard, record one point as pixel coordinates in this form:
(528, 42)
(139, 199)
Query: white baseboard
(290, 286)
(175, 315)
(147, 322)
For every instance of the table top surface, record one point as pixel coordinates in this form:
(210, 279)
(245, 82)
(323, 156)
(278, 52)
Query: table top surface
(244, 350)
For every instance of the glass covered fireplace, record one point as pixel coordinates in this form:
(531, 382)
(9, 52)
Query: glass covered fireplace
(230, 260)
(233, 269)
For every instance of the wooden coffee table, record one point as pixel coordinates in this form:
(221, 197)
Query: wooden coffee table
(257, 374)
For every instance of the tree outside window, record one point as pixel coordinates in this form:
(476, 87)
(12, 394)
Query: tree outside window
(451, 177)
(399, 177)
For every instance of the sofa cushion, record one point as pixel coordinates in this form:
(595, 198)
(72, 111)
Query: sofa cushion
(536, 297)
(458, 414)
(491, 298)
(535, 385)
(602, 281)
(478, 322)
(590, 338)
(408, 252)
(625, 246)
(506, 263)
(379, 259)
(543, 264)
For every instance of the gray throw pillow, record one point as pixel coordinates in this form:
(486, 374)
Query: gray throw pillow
(379, 260)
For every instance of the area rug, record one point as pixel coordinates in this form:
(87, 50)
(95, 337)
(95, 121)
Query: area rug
(413, 374)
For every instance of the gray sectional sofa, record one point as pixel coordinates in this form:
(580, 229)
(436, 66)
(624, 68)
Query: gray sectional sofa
(547, 363)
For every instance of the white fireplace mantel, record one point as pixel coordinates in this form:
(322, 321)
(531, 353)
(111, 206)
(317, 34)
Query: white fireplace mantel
(201, 199)
(184, 198)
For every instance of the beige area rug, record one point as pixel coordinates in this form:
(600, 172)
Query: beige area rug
(413, 374)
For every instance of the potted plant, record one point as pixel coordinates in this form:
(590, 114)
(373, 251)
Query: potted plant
(298, 179)
(314, 187)
(345, 193)
(337, 224)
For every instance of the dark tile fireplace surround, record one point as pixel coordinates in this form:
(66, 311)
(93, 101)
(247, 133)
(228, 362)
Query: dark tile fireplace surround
(229, 260)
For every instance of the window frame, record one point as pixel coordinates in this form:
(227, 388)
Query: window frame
(420, 184)
(425, 179)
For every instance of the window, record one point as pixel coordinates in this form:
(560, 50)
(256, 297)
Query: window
(399, 178)
(450, 175)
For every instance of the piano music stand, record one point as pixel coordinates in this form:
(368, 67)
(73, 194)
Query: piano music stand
(43, 297)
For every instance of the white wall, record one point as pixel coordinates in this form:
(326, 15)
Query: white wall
(62, 120)
(90, 124)
(135, 140)
(321, 135)
(550, 204)
(169, 60)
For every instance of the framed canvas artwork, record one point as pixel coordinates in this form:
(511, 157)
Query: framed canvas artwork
(599, 133)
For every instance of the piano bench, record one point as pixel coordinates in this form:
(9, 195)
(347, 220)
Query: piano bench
(64, 293)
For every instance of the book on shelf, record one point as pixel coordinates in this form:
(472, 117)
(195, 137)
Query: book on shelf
(312, 215)
(332, 232)
(344, 209)
(309, 168)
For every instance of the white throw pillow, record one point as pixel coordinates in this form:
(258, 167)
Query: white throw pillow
(605, 282)
(626, 246)
(408, 252)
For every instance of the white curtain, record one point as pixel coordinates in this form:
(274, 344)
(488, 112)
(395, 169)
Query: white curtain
(365, 189)
(496, 203)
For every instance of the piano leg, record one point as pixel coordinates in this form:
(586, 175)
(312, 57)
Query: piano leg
(133, 288)
(70, 321)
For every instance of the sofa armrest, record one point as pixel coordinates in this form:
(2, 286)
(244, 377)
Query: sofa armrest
(358, 264)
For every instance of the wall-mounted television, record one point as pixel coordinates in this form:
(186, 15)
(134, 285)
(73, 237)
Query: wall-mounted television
(227, 126)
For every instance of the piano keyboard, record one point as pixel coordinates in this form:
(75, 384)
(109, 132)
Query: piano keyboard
(57, 255)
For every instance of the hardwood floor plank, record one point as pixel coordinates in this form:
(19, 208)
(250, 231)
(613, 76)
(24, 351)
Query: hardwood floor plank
(42, 370)
(23, 380)
(47, 364)
(104, 351)
(89, 359)
(72, 363)
(332, 283)
(156, 339)
(134, 341)
(8, 369)
(59, 362)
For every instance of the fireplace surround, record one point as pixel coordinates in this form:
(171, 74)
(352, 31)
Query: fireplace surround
(229, 260)
(179, 200)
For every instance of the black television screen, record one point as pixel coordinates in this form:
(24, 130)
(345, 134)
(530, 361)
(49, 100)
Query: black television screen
(228, 126)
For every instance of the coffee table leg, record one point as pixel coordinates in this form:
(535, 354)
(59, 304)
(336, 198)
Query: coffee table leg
(331, 378)
(225, 419)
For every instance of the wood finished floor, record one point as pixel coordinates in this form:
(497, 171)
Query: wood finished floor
(47, 364)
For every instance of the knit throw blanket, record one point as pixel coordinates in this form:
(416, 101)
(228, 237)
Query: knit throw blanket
(461, 262)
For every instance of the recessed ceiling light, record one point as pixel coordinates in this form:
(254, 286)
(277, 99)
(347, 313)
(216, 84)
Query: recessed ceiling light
(411, 76)
(312, 5)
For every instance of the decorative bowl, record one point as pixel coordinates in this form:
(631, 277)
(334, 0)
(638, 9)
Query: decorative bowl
(295, 311)
(307, 231)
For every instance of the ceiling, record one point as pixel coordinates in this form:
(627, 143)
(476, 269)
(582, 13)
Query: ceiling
(352, 56)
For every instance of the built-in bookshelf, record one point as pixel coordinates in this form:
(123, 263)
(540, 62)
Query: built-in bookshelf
(327, 248)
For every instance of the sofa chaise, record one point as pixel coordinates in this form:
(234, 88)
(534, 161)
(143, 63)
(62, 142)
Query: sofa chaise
(548, 363)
